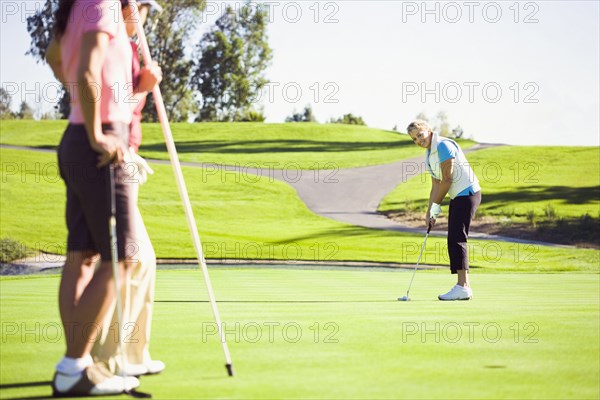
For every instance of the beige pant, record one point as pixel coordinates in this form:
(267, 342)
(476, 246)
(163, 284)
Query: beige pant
(137, 298)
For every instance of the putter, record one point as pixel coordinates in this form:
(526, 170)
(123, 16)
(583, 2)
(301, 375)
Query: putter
(115, 263)
(115, 268)
(406, 298)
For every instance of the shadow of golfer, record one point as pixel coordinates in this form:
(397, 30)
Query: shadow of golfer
(27, 385)
(132, 393)
(24, 385)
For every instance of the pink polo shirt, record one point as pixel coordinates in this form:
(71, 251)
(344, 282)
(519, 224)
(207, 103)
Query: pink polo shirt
(115, 90)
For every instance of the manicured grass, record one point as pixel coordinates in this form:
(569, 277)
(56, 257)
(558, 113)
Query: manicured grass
(277, 146)
(242, 216)
(541, 341)
(516, 180)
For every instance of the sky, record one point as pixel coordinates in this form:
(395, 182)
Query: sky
(524, 73)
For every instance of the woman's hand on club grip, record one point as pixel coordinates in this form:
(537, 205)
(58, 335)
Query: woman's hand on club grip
(110, 149)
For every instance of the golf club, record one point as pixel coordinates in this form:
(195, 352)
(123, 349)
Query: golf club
(115, 267)
(115, 264)
(406, 298)
(166, 128)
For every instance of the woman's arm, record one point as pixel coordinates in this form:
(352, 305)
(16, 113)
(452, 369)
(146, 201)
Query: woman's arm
(54, 59)
(435, 184)
(89, 86)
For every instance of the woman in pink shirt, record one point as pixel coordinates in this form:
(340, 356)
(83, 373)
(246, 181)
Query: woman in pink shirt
(91, 55)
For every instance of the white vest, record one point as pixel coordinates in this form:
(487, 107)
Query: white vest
(462, 173)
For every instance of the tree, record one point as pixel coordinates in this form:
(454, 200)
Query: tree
(442, 125)
(295, 117)
(349, 119)
(457, 132)
(252, 115)
(25, 111)
(175, 26)
(308, 115)
(305, 116)
(39, 26)
(167, 44)
(5, 101)
(422, 117)
(230, 73)
(48, 115)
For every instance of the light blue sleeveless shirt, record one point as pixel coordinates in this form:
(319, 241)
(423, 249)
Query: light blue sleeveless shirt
(447, 150)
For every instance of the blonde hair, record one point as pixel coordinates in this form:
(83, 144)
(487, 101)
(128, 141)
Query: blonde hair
(417, 125)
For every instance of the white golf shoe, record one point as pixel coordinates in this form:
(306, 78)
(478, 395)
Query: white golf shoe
(457, 293)
(94, 380)
(151, 367)
(155, 367)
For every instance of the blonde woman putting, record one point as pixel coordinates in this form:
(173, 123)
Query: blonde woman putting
(451, 175)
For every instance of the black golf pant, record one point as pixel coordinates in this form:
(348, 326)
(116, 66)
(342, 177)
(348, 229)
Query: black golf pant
(462, 210)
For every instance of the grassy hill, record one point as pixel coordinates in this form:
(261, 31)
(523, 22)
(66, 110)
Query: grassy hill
(278, 146)
(240, 218)
(552, 188)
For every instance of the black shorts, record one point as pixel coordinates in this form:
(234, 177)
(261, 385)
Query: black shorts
(88, 195)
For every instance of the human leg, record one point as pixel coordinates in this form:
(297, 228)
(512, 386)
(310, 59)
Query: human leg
(82, 308)
(85, 294)
(461, 211)
(138, 297)
(76, 275)
(137, 304)
(142, 298)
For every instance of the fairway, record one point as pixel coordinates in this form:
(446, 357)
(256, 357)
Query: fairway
(302, 333)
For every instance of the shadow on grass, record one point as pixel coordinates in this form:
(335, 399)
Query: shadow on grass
(494, 201)
(583, 231)
(22, 385)
(277, 301)
(570, 195)
(274, 146)
(132, 393)
(336, 233)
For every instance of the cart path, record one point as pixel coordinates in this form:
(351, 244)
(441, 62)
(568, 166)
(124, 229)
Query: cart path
(349, 195)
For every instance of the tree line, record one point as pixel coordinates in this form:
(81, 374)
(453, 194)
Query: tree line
(215, 79)
(25, 111)
(440, 124)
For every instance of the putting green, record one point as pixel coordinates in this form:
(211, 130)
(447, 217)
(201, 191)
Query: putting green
(297, 333)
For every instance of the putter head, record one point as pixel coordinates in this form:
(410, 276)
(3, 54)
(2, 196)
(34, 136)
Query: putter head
(404, 298)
